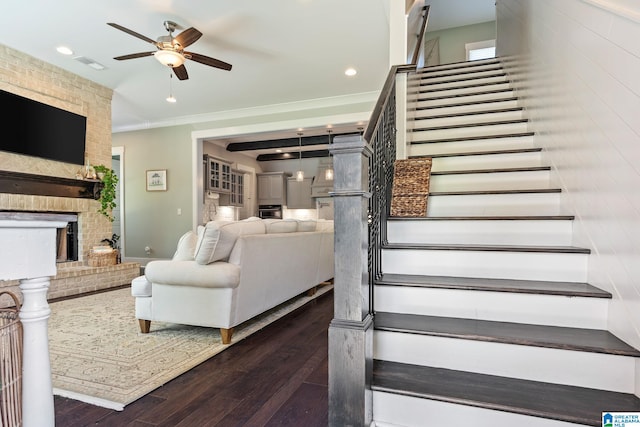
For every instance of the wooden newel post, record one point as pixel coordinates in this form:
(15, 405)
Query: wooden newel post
(351, 330)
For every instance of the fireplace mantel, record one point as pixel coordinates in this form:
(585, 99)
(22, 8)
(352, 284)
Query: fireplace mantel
(41, 185)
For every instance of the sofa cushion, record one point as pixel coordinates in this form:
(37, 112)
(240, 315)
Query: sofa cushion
(186, 247)
(187, 273)
(216, 238)
(307, 225)
(281, 225)
(324, 225)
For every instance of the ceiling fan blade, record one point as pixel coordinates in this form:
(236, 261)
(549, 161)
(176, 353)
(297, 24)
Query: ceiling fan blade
(181, 72)
(188, 36)
(131, 32)
(212, 62)
(134, 55)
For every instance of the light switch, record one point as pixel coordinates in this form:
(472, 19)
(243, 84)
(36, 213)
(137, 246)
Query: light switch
(179, 211)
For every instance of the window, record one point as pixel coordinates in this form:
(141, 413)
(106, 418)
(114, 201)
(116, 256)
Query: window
(480, 50)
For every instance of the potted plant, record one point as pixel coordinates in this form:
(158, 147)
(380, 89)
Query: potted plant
(107, 197)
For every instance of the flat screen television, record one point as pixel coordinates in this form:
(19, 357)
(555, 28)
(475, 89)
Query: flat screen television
(35, 129)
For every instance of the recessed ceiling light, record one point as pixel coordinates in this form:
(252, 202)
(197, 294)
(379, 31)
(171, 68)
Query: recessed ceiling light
(278, 151)
(64, 50)
(171, 99)
(350, 72)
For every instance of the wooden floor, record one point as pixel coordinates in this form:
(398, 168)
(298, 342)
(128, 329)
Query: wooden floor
(276, 377)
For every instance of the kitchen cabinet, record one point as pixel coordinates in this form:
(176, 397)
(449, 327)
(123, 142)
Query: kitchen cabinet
(299, 194)
(217, 175)
(236, 198)
(272, 188)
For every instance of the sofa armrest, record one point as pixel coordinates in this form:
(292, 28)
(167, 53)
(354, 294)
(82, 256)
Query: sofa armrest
(190, 273)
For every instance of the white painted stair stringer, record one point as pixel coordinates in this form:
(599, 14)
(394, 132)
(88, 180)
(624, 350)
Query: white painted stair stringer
(535, 309)
(550, 365)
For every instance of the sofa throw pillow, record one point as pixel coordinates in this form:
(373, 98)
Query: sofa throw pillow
(216, 239)
(186, 247)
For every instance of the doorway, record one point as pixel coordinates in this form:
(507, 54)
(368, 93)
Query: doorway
(117, 164)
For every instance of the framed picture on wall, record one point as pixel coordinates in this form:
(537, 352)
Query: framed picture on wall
(157, 180)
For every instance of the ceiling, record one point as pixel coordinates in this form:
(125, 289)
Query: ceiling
(276, 47)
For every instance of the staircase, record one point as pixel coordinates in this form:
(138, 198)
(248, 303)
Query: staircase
(483, 314)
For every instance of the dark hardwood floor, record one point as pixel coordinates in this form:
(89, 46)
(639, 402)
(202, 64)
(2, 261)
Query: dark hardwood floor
(276, 377)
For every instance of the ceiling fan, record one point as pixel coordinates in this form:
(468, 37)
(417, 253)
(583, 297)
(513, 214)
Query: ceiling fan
(170, 50)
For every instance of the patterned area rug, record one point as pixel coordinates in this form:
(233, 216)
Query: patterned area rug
(99, 356)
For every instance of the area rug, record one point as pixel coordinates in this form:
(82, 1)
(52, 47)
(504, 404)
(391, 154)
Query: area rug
(99, 356)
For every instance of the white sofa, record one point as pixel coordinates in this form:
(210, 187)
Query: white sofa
(230, 272)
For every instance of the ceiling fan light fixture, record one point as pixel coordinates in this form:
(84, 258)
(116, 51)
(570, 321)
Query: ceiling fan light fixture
(170, 58)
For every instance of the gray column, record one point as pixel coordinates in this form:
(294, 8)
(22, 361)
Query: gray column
(351, 330)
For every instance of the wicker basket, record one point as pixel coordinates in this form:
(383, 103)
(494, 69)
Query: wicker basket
(10, 364)
(103, 259)
(410, 187)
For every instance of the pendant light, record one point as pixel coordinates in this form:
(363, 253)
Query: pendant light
(328, 172)
(171, 98)
(300, 173)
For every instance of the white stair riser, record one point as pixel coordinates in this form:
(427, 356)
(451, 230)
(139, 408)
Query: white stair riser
(464, 109)
(490, 116)
(491, 181)
(470, 131)
(479, 145)
(487, 264)
(494, 204)
(465, 91)
(454, 83)
(488, 70)
(550, 365)
(482, 232)
(535, 309)
(487, 161)
(433, 100)
(393, 410)
(457, 69)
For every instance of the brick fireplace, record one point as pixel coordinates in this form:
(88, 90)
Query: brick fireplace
(31, 78)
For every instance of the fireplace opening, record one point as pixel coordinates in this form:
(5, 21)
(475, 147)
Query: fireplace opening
(67, 242)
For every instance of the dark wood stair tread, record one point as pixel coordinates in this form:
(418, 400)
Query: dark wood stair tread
(461, 65)
(426, 89)
(463, 104)
(470, 125)
(470, 113)
(534, 398)
(478, 153)
(556, 337)
(488, 248)
(486, 218)
(474, 138)
(487, 192)
(495, 170)
(569, 289)
(468, 77)
(426, 75)
(460, 95)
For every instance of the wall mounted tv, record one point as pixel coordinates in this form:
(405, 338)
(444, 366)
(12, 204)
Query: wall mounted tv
(36, 129)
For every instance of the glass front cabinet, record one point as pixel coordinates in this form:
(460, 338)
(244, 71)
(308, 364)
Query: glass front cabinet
(236, 198)
(217, 176)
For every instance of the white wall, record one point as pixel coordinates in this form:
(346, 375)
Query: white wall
(578, 64)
